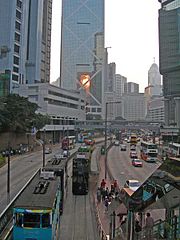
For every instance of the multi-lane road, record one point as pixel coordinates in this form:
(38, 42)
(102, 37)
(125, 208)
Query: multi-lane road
(78, 220)
(121, 167)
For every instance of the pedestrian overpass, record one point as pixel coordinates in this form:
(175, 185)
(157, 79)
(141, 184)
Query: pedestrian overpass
(117, 125)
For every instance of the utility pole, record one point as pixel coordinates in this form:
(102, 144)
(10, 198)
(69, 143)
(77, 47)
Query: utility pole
(44, 147)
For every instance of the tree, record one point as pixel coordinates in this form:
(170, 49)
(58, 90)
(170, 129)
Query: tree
(19, 115)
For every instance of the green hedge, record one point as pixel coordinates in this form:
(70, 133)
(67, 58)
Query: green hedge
(2, 160)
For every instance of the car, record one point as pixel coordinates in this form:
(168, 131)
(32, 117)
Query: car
(137, 162)
(58, 156)
(66, 153)
(123, 147)
(133, 184)
(133, 154)
(48, 150)
(116, 143)
(133, 148)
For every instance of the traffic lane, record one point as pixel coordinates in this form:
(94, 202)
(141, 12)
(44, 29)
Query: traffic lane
(21, 170)
(121, 167)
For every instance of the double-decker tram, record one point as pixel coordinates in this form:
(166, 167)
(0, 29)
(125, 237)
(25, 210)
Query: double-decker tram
(36, 212)
(149, 151)
(80, 173)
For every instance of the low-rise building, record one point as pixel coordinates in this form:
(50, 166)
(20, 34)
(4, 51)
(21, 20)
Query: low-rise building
(65, 107)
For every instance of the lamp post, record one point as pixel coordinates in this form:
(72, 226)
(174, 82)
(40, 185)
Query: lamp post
(44, 147)
(8, 173)
(106, 135)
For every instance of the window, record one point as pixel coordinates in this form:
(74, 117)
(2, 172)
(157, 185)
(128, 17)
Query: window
(18, 219)
(46, 220)
(16, 48)
(16, 69)
(32, 220)
(18, 14)
(16, 60)
(19, 4)
(17, 37)
(15, 77)
(18, 26)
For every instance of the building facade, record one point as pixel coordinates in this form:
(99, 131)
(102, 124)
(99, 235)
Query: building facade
(132, 87)
(82, 50)
(155, 109)
(134, 106)
(120, 85)
(169, 43)
(26, 40)
(64, 107)
(154, 80)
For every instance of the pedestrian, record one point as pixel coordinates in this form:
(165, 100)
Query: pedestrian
(115, 185)
(98, 195)
(107, 192)
(149, 226)
(137, 229)
(103, 193)
(103, 184)
(106, 204)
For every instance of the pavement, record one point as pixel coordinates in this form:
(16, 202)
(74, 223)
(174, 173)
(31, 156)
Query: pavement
(105, 218)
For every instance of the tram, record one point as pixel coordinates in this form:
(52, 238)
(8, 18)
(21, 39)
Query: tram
(80, 173)
(36, 212)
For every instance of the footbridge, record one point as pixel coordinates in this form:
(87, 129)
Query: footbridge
(118, 125)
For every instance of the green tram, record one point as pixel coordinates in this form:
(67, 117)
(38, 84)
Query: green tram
(80, 173)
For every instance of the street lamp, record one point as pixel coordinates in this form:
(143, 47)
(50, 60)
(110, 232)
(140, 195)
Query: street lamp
(44, 147)
(106, 135)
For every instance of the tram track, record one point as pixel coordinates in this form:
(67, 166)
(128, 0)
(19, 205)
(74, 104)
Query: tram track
(80, 219)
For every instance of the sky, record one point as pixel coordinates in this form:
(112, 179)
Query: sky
(131, 35)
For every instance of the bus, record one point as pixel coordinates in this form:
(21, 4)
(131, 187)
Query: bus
(133, 140)
(174, 149)
(68, 142)
(149, 151)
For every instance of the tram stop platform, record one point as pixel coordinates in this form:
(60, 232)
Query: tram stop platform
(108, 222)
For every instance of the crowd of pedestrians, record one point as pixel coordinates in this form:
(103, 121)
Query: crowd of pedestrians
(105, 195)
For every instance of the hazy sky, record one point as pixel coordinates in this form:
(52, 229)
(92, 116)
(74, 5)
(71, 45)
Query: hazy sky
(131, 30)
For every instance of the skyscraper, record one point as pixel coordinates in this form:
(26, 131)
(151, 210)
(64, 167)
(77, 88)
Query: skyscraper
(154, 80)
(82, 49)
(169, 44)
(25, 42)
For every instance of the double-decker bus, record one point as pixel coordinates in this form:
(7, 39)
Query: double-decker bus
(133, 140)
(174, 149)
(68, 142)
(149, 151)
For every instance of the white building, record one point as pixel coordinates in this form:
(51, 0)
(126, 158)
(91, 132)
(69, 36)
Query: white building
(120, 85)
(155, 110)
(65, 107)
(132, 87)
(134, 106)
(154, 80)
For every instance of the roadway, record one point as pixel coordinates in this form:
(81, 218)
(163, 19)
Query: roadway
(121, 169)
(22, 168)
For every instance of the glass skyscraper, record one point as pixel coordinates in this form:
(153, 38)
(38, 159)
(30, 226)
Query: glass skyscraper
(82, 48)
(169, 55)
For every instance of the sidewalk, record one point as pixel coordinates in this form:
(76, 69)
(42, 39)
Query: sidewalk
(104, 219)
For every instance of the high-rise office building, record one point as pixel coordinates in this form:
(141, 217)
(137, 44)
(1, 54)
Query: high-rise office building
(25, 42)
(120, 85)
(132, 87)
(169, 44)
(154, 80)
(82, 49)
